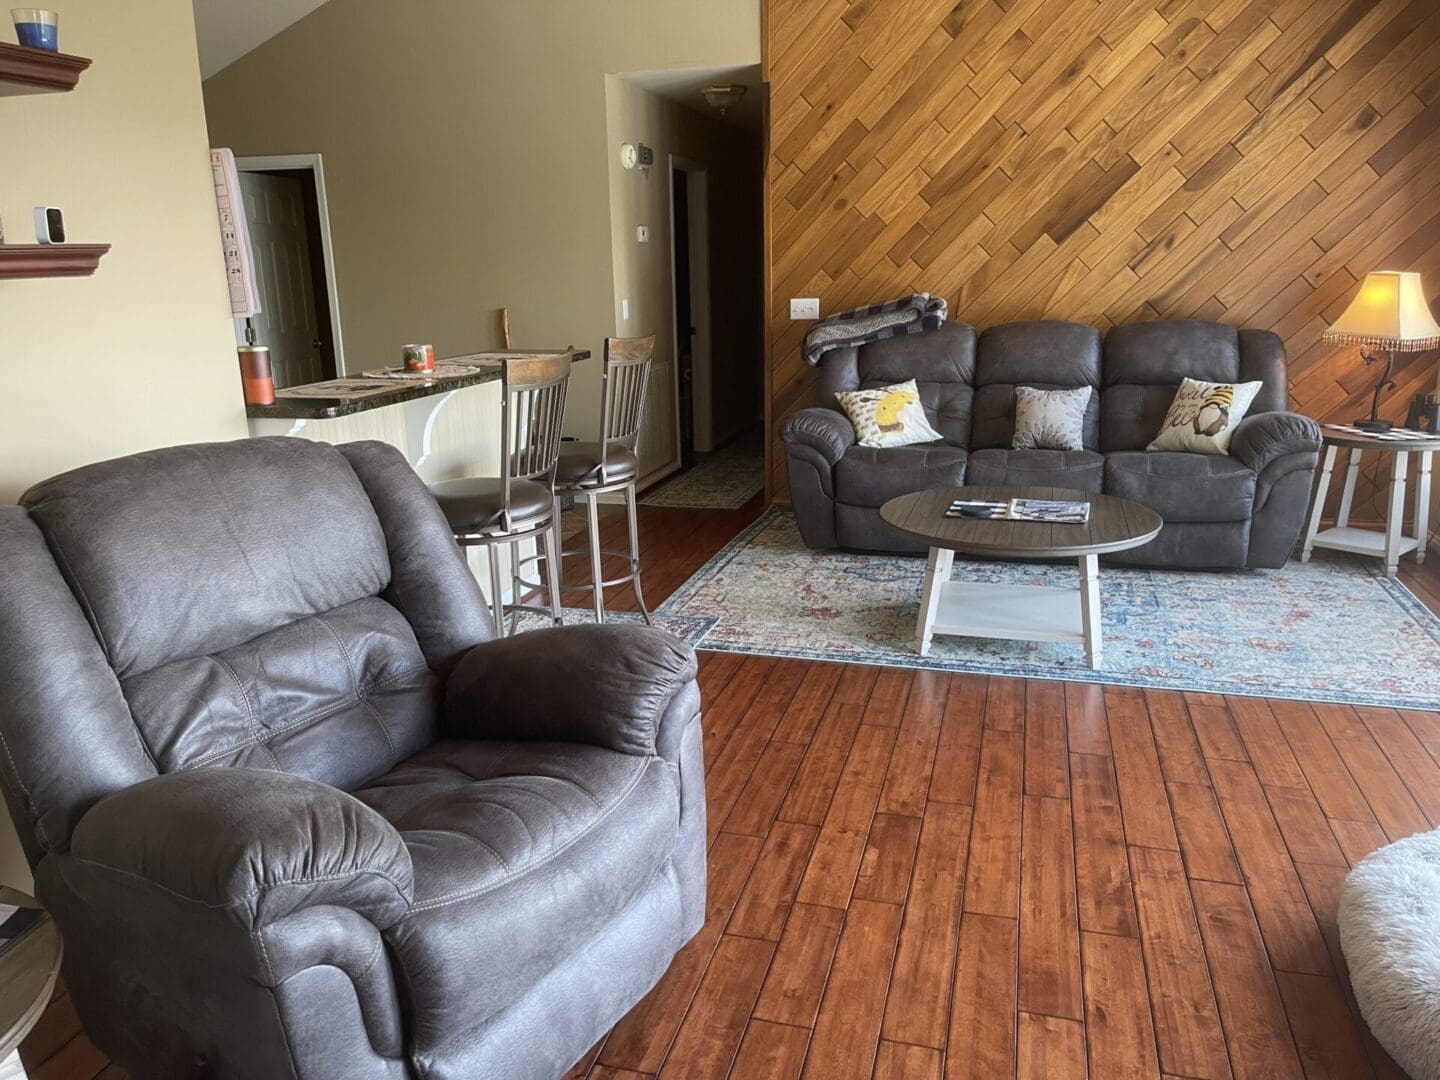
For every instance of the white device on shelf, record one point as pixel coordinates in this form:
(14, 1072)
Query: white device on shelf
(49, 225)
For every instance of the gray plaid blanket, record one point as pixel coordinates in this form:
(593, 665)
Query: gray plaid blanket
(916, 314)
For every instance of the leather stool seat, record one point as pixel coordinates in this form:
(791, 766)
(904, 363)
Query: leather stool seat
(580, 464)
(473, 504)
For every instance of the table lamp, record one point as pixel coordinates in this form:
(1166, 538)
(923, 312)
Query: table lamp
(1388, 315)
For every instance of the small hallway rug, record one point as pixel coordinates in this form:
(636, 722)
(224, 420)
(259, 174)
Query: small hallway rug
(724, 480)
(1334, 629)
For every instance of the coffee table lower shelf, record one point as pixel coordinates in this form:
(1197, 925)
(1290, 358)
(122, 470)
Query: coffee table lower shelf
(1010, 612)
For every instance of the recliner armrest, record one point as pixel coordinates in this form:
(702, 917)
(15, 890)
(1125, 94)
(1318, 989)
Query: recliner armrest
(612, 686)
(826, 431)
(1266, 437)
(254, 845)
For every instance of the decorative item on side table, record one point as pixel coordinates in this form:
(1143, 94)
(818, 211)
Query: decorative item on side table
(1389, 314)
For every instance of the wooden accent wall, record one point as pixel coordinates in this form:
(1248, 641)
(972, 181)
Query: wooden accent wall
(1105, 161)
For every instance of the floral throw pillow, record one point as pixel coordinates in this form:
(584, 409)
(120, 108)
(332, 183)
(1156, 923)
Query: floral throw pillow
(1050, 419)
(888, 415)
(1204, 415)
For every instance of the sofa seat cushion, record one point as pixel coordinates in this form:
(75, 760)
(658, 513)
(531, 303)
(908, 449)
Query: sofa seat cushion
(1083, 470)
(872, 476)
(1183, 487)
(522, 852)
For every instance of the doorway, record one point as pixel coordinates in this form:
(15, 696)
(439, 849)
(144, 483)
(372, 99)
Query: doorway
(690, 274)
(289, 223)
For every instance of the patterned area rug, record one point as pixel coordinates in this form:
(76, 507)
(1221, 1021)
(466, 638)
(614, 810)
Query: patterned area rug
(1335, 629)
(724, 480)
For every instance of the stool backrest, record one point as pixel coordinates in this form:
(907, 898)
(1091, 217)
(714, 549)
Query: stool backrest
(627, 374)
(532, 412)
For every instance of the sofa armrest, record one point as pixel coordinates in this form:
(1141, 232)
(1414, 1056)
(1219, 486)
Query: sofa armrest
(253, 845)
(825, 431)
(614, 686)
(1266, 437)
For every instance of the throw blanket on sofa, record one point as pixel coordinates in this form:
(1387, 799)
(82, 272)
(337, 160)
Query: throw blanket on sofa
(913, 315)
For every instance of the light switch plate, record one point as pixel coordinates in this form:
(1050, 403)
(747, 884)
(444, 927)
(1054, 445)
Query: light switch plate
(805, 307)
(642, 233)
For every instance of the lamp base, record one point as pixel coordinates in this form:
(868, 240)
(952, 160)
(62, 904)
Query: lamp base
(1373, 425)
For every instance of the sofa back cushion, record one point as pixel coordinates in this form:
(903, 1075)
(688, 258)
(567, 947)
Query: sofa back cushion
(1145, 362)
(941, 362)
(1043, 354)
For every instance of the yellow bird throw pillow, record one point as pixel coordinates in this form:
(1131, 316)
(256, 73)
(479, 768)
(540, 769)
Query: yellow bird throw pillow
(888, 415)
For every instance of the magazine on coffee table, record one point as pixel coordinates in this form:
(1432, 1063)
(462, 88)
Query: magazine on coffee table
(1053, 510)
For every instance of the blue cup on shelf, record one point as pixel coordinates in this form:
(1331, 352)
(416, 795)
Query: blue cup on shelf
(37, 28)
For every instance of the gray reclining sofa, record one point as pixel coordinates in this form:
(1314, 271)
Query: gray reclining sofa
(1244, 509)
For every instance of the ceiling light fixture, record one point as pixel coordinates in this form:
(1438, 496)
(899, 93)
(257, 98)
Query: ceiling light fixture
(722, 96)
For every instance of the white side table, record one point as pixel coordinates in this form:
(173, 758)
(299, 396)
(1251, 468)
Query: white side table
(1393, 542)
(28, 967)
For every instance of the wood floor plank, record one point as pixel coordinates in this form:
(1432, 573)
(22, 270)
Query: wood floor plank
(814, 785)
(908, 780)
(1328, 778)
(897, 1061)
(992, 884)
(1326, 1031)
(917, 1009)
(764, 903)
(1005, 703)
(888, 859)
(1214, 728)
(1118, 1027)
(957, 754)
(808, 705)
(1187, 1022)
(1051, 1047)
(1408, 757)
(1304, 826)
(759, 801)
(981, 1042)
(642, 1038)
(792, 989)
(1286, 921)
(847, 1030)
(1258, 1033)
(1085, 722)
(710, 1036)
(771, 1051)
(1047, 764)
(835, 860)
(1391, 801)
(724, 711)
(1102, 868)
(886, 704)
(1180, 758)
(1144, 807)
(1265, 745)
(1049, 916)
(1358, 838)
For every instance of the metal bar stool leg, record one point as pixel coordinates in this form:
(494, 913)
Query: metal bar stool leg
(552, 569)
(497, 602)
(596, 578)
(630, 512)
(513, 551)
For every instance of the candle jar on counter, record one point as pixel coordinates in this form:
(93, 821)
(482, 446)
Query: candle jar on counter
(256, 377)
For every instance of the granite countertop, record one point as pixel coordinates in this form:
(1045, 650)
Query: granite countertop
(350, 395)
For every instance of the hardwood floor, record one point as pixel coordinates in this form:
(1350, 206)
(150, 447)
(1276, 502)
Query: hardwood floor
(932, 876)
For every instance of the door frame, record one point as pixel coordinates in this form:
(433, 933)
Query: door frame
(697, 197)
(316, 166)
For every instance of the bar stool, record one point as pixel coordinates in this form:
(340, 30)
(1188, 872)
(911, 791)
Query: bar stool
(519, 504)
(588, 470)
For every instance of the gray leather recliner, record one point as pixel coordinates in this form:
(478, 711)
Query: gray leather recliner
(296, 812)
(1244, 509)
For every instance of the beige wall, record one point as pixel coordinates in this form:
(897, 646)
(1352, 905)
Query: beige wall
(732, 160)
(466, 156)
(141, 354)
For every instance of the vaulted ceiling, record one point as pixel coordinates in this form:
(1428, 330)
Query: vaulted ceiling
(226, 31)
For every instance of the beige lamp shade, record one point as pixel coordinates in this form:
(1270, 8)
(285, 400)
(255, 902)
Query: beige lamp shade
(1390, 313)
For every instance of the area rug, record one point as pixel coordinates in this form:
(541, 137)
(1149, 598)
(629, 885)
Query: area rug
(1335, 629)
(724, 480)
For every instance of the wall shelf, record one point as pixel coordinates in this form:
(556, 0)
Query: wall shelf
(37, 71)
(50, 260)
